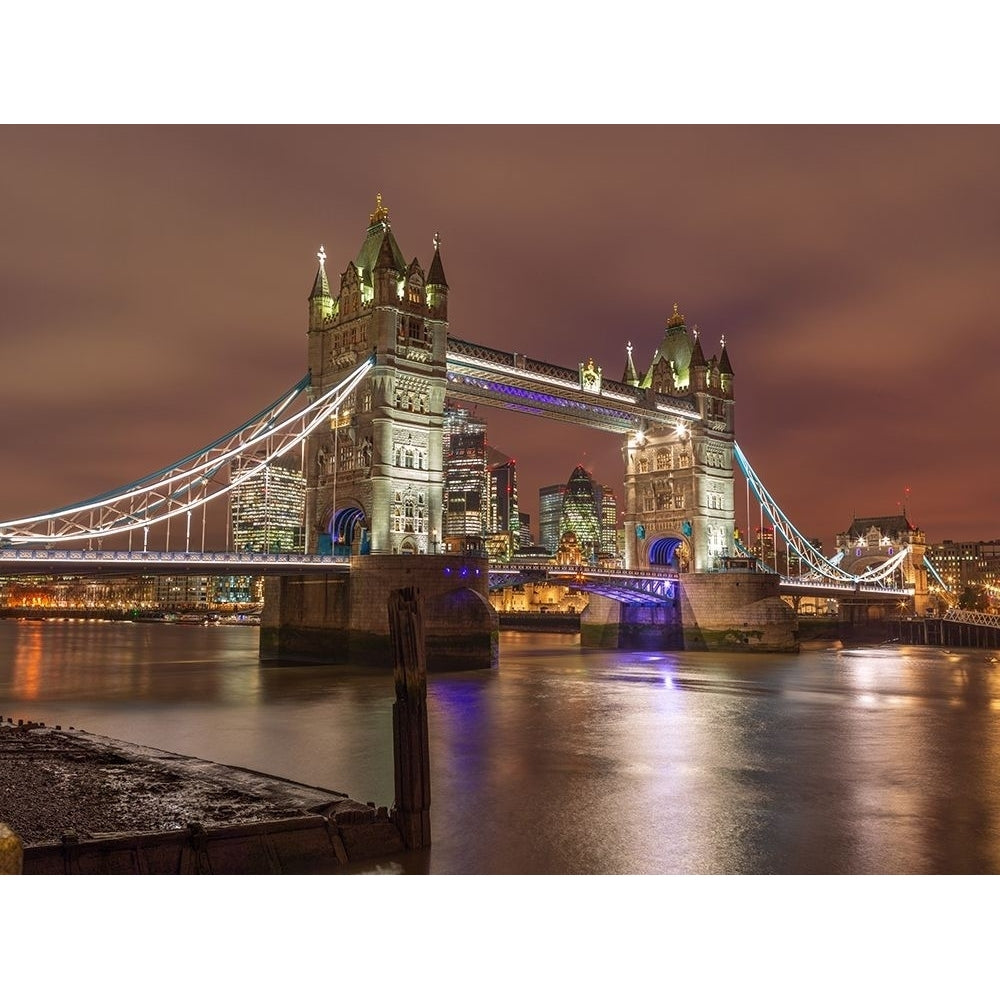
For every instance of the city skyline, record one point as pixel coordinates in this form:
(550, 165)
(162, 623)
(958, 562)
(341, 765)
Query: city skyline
(156, 281)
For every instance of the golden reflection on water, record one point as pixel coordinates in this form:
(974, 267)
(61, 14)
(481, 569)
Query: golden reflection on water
(27, 661)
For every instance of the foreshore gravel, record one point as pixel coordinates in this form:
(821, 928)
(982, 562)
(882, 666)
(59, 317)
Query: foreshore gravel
(56, 782)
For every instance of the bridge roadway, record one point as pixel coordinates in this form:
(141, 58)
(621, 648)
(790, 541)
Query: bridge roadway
(628, 586)
(86, 562)
(653, 586)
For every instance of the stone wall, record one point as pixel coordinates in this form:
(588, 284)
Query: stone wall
(723, 611)
(736, 611)
(345, 618)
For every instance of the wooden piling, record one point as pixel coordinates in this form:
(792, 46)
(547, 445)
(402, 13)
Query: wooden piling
(411, 754)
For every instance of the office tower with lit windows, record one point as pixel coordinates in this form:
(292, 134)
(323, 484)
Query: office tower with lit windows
(504, 513)
(964, 565)
(608, 507)
(550, 504)
(764, 548)
(503, 523)
(465, 507)
(266, 510)
(527, 539)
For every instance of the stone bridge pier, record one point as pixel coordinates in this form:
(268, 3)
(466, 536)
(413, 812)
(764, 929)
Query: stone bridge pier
(729, 610)
(344, 618)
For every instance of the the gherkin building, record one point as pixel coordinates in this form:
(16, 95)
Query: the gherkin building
(580, 513)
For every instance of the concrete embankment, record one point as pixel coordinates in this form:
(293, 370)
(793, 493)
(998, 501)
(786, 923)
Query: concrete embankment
(85, 804)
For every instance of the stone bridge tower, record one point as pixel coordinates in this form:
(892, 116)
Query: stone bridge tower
(374, 475)
(679, 505)
(872, 541)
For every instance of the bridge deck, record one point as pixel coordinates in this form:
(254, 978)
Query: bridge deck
(51, 562)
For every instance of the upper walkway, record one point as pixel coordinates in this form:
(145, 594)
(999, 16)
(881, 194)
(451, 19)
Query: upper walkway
(478, 374)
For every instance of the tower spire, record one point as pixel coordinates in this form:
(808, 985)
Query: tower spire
(321, 286)
(435, 275)
(725, 366)
(320, 299)
(631, 376)
(381, 213)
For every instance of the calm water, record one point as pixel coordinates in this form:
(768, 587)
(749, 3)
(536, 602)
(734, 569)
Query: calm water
(569, 761)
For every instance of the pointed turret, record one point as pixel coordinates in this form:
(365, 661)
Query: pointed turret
(437, 284)
(386, 271)
(699, 367)
(725, 370)
(435, 276)
(320, 299)
(724, 364)
(631, 376)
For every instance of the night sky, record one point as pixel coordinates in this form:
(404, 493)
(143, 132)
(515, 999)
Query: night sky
(154, 282)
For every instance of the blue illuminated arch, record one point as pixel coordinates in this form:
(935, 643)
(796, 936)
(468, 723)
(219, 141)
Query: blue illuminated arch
(343, 522)
(663, 551)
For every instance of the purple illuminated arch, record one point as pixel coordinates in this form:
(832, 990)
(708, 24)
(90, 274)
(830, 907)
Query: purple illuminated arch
(343, 523)
(663, 551)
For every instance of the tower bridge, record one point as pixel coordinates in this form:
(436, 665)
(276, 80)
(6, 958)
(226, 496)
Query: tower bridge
(368, 420)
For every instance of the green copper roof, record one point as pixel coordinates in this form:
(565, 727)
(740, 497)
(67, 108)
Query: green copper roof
(368, 255)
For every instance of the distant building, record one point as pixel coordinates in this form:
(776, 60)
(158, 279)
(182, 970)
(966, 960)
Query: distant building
(527, 538)
(504, 514)
(173, 592)
(763, 547)
(465, 510)
(504, 520)
(871, 541)
(266, 514)
(608, 516)
(550, 504)
(581, 514)
(267, 510)
(968, 564)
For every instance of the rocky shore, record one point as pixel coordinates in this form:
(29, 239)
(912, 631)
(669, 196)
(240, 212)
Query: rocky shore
(82, 803)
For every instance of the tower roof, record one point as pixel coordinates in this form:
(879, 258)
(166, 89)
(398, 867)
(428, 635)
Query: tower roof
(724, 365)
(379, 232)
(890, 525)
(631, 376)
(386, 259)
(321, 286)
(697, 354)
(675, 348)
(435, 276)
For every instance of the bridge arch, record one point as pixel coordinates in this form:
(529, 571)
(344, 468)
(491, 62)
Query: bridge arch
(668, 550)
(347, 529)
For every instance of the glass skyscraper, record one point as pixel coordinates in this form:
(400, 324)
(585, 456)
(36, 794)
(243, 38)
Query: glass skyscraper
(465, 511)
(581, 512)
(550, 504)
(267, 510)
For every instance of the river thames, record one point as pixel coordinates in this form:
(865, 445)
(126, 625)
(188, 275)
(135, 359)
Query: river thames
(569, 761)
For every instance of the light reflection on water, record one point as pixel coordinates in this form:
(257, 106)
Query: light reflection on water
(562, 760)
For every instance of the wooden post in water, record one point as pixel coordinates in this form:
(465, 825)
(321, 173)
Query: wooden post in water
(411, 754)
